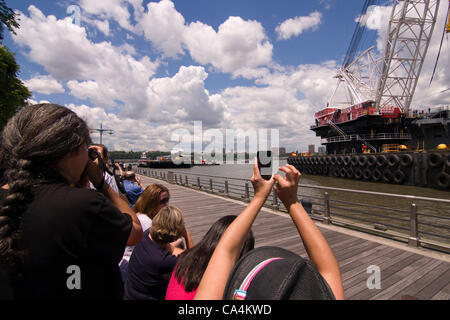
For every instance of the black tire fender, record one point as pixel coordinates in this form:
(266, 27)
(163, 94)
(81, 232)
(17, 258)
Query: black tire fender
(376, 175)
(367, 174)
(406, 160)
(350, 173)
(443, 180)
(434, 159)
(393, 160)
(362, 161)
(387, 175)
(371, 160)
(346, 160)
(333, 160)
(358, 173)
(399, 176)
(381, 160)
(336, 172)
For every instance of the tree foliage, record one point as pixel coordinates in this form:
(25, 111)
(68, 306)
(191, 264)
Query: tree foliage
(7, 18)
(12, 91)
(122, 155)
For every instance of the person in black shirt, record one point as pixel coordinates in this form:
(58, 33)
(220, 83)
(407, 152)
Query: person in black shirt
(58, 238)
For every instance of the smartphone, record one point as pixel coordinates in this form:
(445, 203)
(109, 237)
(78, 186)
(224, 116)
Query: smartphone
(265, 164)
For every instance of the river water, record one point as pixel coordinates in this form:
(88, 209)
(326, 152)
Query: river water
(392, 212)
(244, 171)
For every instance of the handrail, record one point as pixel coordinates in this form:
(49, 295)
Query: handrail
(391, 222)
(378, 136)
(336, 127)
(409, 197)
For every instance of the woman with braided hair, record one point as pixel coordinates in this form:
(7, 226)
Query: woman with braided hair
(58, 238)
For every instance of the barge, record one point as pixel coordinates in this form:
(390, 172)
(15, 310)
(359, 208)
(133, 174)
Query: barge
(374, 135)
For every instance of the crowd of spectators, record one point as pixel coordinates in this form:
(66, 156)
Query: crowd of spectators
(71, 228)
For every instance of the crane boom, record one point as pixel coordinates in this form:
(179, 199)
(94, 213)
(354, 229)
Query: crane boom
(409, 35)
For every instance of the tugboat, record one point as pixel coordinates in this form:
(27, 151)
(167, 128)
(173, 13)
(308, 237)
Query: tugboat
(375, 136)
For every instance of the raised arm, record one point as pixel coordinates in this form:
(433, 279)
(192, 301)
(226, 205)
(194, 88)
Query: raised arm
(315, 244)
(120, 169)
(230, 245)
(139, 182)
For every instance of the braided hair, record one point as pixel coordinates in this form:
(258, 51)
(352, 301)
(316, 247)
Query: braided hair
(33, 141)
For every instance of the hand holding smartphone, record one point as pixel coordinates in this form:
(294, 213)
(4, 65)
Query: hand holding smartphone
(265, 164)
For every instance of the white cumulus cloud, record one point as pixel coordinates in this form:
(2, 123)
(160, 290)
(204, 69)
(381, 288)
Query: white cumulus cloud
(95, 71)
(44, 84)
(296, 26)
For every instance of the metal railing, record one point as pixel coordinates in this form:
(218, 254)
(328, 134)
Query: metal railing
(418, 221)
(379, 136)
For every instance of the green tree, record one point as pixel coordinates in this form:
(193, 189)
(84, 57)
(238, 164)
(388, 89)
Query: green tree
(7, 18)
(12, 91)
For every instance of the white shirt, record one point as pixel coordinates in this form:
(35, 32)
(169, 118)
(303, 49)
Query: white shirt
(109, 179)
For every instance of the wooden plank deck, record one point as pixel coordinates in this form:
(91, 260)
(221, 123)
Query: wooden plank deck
(405, 272)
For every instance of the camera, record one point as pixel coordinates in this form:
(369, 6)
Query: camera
(93, 154)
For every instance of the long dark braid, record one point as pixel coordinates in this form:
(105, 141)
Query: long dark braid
(34, 139)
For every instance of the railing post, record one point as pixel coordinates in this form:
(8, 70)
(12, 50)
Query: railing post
(176, 179)
(210, 184)
(326, 208)
(226, 187)
(247, 191)
(274, 198)
(198, 182)
(186, 181)
(170, 177)
(307, 204)
(413, 240)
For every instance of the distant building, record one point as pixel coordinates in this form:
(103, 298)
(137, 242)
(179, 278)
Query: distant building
(322, 150)
(311, 148)
(282, 150)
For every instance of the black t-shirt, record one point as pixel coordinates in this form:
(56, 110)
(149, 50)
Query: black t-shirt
(6, 292)
(148, 271)
(3, 194)
(75, 239)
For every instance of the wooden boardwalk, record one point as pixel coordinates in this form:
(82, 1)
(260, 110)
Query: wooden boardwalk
(405, 272)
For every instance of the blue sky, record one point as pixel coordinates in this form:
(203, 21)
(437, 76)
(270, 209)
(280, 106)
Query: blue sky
(148, 68)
